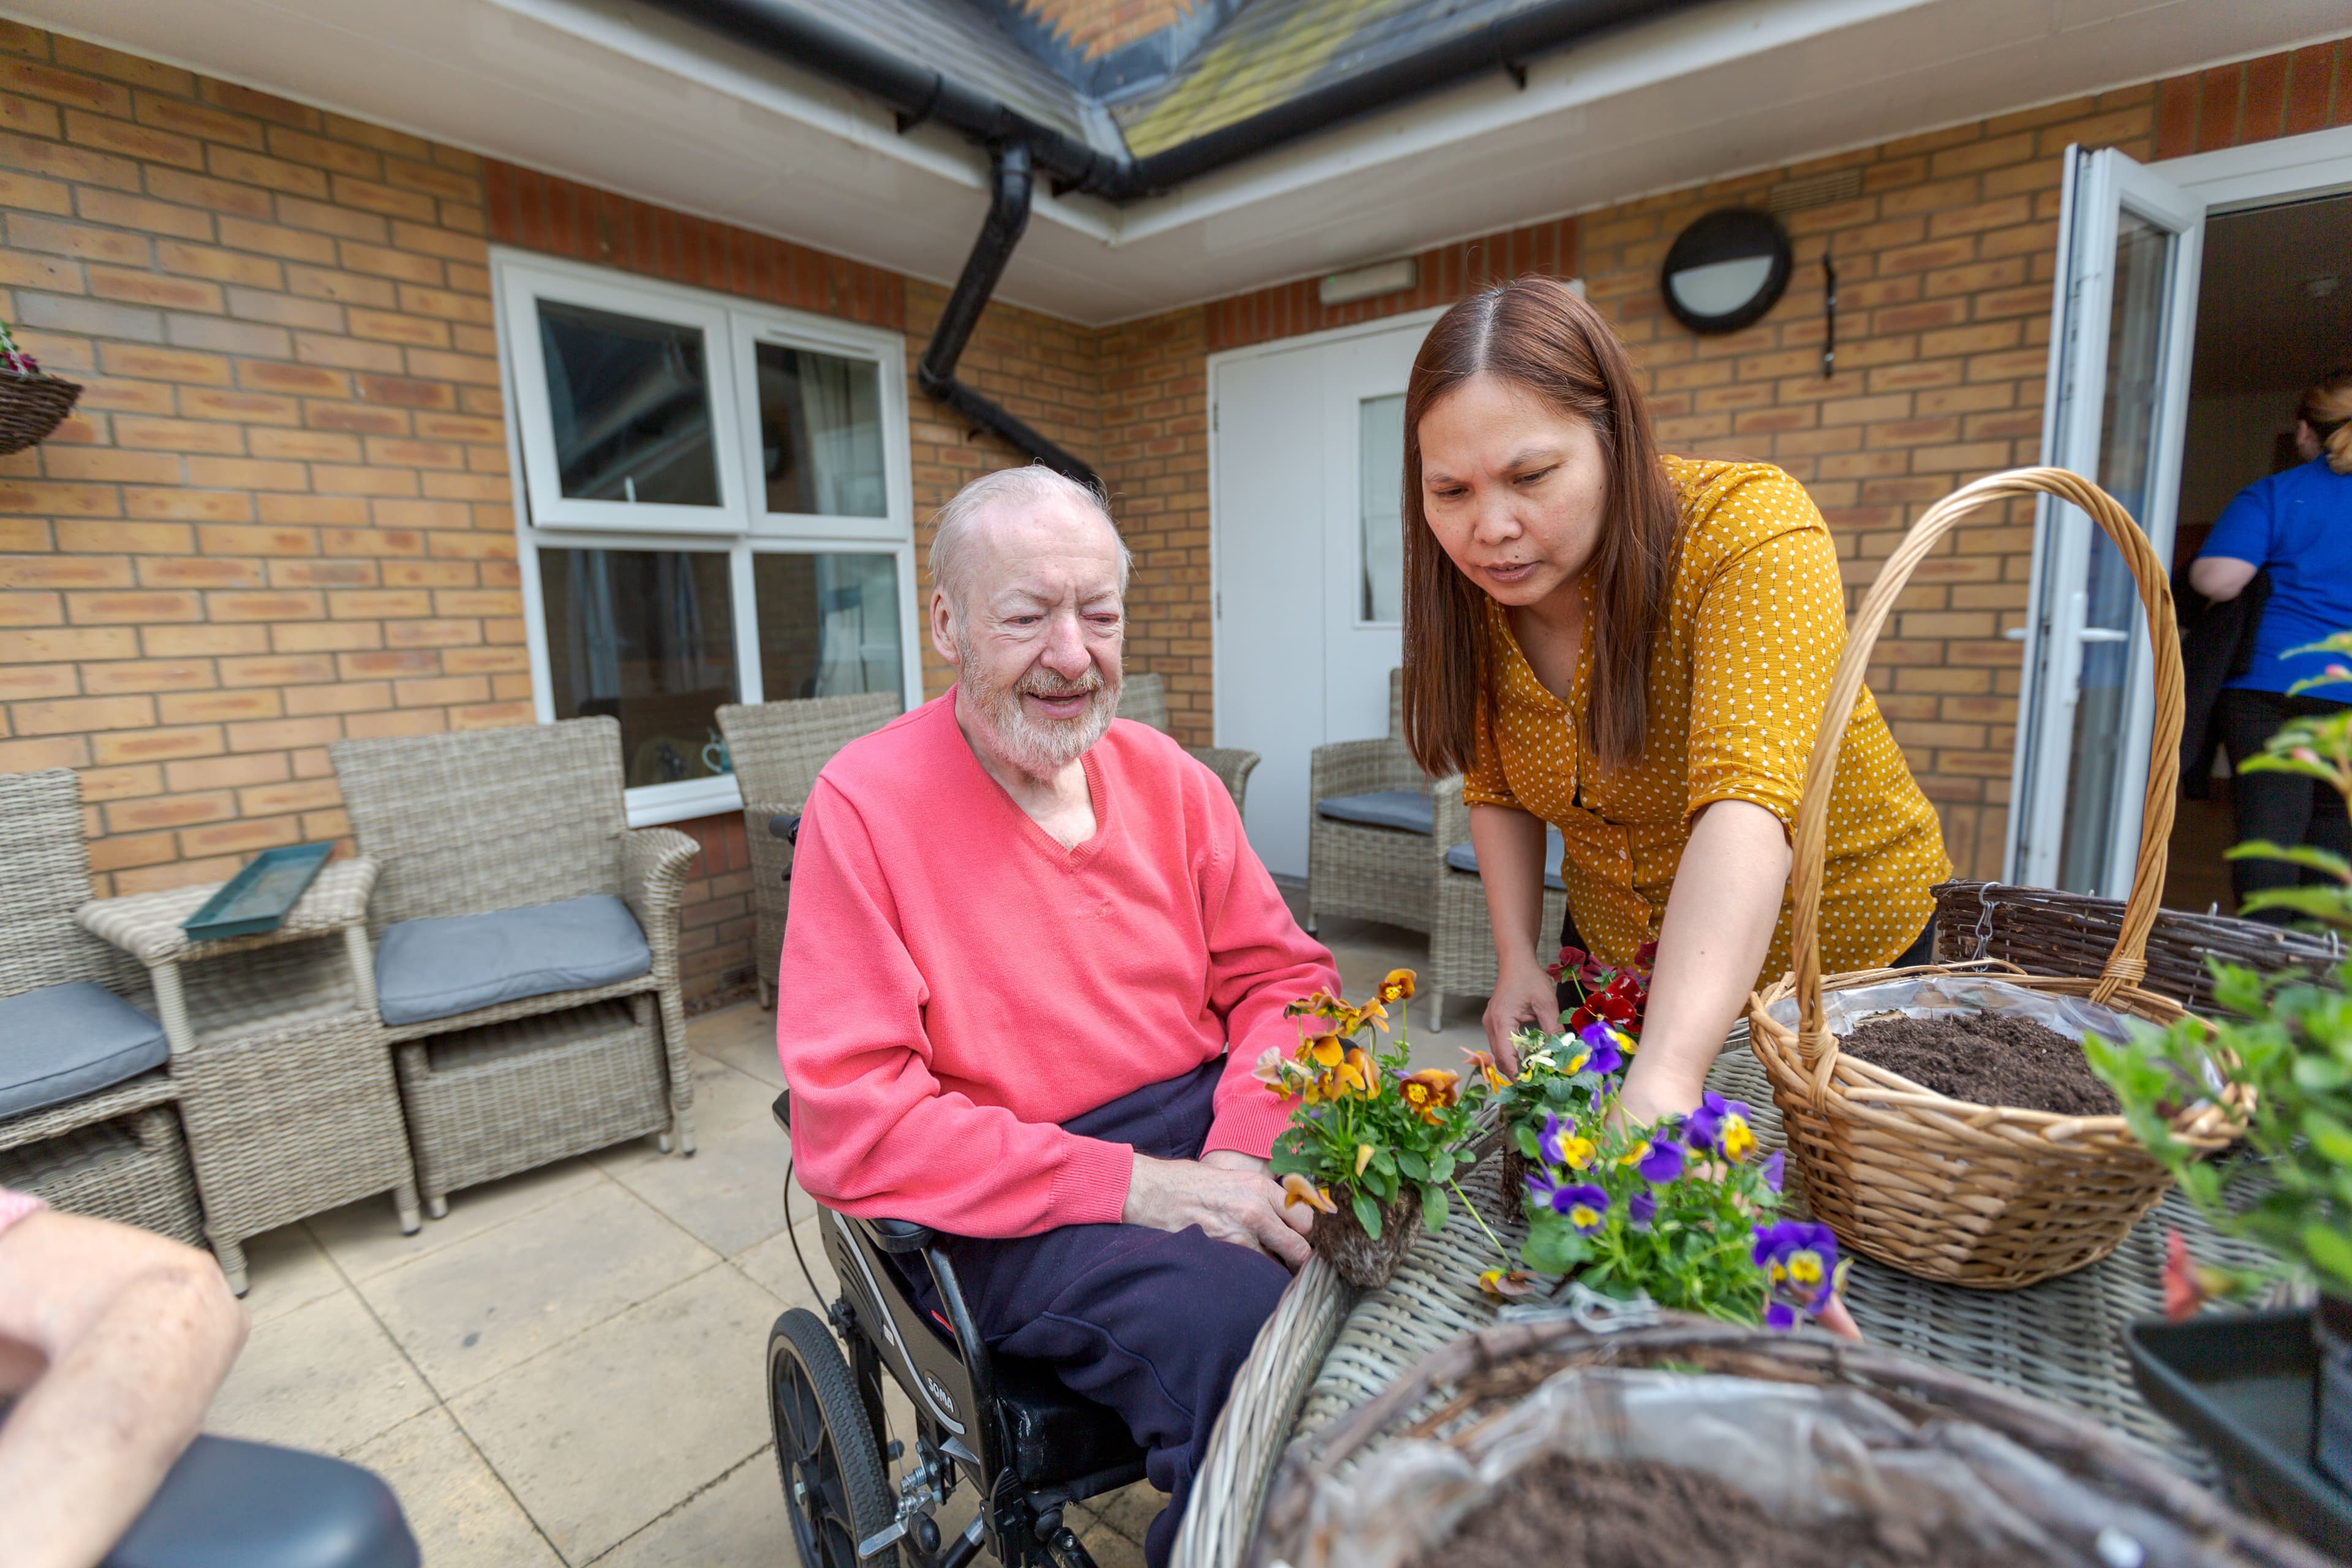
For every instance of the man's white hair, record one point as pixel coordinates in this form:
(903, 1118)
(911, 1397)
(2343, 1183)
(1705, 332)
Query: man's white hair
(950, 539)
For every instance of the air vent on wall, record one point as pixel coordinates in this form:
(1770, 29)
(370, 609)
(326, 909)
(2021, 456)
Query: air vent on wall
(1813, 191)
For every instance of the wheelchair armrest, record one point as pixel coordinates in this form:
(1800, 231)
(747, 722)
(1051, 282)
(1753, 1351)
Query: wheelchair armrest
(263, 1507)
(899, 1236)
(783, 1112)
(786, 827)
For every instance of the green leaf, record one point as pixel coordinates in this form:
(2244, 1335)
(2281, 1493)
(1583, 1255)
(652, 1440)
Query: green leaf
(1434, 1209)
(1526, 1137)
(2308, 854)
(2330, 1250)
(1413, 1164)
(1368, 1213)
(2329, 1136)
(2320, 1074)
(1441, 1166)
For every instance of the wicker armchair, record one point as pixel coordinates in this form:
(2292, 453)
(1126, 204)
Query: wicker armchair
(1144, 699)
(777, 750)
(116, 1152)
(1373, 870)
(510, 819)
(1461, 938)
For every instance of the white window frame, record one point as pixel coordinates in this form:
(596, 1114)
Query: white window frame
(739, 529)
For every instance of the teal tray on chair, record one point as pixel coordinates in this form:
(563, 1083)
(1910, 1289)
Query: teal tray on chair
(256, 900)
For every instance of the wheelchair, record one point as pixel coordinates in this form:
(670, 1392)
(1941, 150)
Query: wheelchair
(1027, 1445)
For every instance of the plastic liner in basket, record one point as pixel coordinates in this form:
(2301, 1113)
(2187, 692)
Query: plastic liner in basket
(1804, 1452)
(1945, 995)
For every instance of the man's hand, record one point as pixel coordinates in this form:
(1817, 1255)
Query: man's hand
(1227, 1193)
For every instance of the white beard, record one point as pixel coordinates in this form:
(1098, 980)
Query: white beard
(1040, 748)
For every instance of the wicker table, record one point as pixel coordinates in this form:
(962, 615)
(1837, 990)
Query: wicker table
(283, 1069)
(1329, 1349)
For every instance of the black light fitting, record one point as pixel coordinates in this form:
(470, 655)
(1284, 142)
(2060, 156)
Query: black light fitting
(1726, 269)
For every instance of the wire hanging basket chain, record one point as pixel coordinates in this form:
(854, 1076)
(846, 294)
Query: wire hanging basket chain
(32, 403)
(1994, 1198)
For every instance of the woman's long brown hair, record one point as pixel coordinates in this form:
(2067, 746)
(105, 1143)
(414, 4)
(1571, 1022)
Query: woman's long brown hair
(1538, 334)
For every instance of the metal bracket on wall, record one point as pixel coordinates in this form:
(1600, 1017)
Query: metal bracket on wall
(1829, 316)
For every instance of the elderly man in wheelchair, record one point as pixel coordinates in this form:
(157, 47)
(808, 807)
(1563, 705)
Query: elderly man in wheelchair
(1030, 963)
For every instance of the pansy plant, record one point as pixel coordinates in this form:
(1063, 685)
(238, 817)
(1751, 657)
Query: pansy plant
(1365, 1128)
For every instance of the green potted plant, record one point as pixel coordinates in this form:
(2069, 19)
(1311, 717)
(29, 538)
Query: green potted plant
(1371, 1143)
(2282, 1046)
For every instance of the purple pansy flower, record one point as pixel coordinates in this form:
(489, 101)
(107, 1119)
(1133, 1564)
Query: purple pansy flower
(1600, 1041)
(1562, 1145)
(1775, 1168)
(1583, 1204)
(1641, 1209)
(1724, 1127)
(1660, 1161)
(1800, 1269)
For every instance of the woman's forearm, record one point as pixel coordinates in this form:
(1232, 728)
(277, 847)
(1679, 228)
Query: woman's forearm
(1719, 925)
(1510, 846)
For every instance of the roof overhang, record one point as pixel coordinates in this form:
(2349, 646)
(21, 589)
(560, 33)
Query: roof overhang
(626, 98)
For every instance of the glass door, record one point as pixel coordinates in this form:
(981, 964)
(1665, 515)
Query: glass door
(2121, 328)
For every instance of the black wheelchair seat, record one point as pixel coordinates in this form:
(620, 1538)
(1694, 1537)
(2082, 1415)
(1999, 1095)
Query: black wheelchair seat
(1058, 1437)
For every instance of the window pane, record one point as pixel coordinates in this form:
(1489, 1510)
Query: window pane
(1380, 484)
(630, 403)
(828, 624)
(646, 636)
(820, 432)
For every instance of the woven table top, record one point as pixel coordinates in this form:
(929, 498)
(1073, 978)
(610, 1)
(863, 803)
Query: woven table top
(2060, 1340)
(147, 925)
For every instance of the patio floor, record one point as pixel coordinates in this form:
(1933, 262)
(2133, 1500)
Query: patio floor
(566, 1370)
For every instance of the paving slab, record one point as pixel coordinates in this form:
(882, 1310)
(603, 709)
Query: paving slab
(460, 1512)
(286, 1268)
(471, 1311)
(729, 1195)
(771, 1263)
(737, 1521)
(744, 1037)
(605, 1434)
(324, 1375)
(364, 1240)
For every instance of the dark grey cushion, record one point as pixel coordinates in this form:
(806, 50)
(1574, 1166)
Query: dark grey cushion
(439, 969)
(1463, 857)
(1382, 808)
(61, 1042)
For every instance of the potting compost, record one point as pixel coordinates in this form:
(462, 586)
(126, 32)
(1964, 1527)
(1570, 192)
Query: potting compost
(1986, 1059)
(1564, 1513)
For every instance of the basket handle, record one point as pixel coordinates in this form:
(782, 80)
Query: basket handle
(2127, 963)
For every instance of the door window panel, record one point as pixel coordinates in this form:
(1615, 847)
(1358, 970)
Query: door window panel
(1380, 484)
(828, 624)
(629, 407)
(645, 637)
(820, 433)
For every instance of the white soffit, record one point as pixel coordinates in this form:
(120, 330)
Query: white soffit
(619, 96)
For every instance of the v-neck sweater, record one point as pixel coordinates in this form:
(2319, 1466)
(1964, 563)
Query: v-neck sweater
(956, 984)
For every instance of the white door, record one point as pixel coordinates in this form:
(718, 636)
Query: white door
(1308, 465)
(2122, 328)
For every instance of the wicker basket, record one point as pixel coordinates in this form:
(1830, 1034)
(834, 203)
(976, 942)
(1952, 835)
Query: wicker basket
(32, 401)
(2050, 932)
(1452, 1394)
(1986, 1197)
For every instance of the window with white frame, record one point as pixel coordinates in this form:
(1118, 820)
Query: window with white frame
(714, 504)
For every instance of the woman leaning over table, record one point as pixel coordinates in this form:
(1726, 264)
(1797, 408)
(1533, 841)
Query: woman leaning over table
(1635, 648)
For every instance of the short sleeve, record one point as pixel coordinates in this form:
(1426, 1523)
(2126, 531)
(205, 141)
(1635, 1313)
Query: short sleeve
(1771, 622)
(2243, 532)
(1486, 783)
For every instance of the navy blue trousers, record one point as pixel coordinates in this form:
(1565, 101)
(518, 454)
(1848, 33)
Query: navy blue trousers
(1152, 1323)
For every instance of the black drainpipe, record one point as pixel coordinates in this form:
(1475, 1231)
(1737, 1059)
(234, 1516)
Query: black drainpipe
(1009, 183)
(1019, 147)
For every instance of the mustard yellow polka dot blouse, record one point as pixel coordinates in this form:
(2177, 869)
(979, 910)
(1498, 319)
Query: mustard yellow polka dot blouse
(1737, 678)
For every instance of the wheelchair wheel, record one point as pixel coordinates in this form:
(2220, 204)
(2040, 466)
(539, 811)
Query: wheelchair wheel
(835, 1486)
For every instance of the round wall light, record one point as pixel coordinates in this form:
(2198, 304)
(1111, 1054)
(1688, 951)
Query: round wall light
(1726, 269)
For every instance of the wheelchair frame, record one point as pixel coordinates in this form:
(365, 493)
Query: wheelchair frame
(965, 1425)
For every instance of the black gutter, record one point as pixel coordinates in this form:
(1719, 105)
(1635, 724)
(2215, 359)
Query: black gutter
(1010, 183)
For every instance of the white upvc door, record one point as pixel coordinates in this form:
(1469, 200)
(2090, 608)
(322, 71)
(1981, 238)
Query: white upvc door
(1306, 452)
(2123, 325)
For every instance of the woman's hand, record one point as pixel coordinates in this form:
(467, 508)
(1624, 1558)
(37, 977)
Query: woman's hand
(1523, 995)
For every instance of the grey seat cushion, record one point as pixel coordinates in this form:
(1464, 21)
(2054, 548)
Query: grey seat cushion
(1382, 808)
(440, 968)
(61, 1042)
(1463, 857)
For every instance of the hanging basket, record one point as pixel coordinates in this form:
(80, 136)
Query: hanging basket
(32, 403)
(1988, 1197)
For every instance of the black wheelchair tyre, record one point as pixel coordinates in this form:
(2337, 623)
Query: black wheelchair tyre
(836, 1488)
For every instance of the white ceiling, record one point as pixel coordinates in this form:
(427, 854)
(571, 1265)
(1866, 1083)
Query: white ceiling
(618, 96)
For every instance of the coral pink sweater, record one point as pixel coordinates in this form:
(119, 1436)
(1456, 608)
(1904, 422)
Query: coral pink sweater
(955, 983)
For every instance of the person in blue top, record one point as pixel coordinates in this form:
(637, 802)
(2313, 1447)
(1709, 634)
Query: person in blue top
(2297, 527)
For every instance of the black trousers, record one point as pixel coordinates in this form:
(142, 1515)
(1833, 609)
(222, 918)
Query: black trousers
(2285, 809)
(1921, 951)
(1153, 1323)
